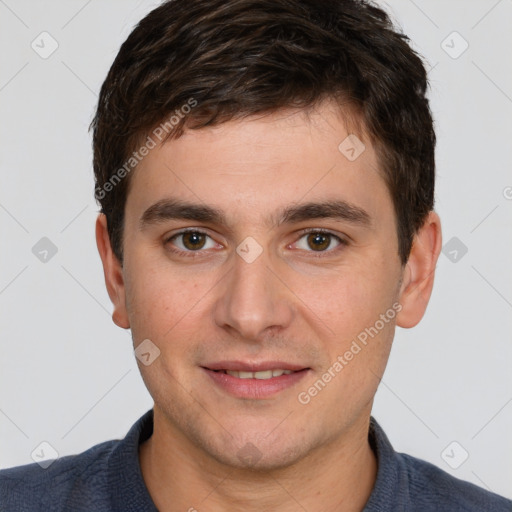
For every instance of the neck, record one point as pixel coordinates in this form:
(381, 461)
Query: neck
(338, 475)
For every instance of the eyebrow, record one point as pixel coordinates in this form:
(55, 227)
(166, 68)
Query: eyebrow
(177, 209)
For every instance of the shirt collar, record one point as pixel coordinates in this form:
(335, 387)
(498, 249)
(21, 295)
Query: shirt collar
(391, 478)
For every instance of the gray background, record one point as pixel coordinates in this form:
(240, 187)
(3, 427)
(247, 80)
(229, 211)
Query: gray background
(67, 373)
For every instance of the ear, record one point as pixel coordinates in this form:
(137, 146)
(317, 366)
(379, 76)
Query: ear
(418, 275)
(113, 272)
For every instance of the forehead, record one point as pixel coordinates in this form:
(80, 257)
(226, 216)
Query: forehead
(254, 166)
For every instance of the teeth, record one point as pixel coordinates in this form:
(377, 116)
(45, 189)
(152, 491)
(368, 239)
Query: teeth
(263, 375)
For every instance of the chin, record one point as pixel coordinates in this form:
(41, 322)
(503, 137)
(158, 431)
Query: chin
(254, 459)
(258, 449)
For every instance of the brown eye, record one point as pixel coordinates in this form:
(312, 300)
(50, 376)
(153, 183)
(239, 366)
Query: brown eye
(193, 240)
(190, 241)
(319, 241)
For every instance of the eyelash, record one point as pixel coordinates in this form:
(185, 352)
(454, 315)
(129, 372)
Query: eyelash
(319, 254)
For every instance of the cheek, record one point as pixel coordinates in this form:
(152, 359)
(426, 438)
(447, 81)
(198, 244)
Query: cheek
(351, 300)
(151, 302)
(162, 300)
(351, 306)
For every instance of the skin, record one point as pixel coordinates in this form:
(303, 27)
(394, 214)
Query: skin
(293, 303)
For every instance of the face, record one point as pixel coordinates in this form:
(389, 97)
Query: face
(253, 246)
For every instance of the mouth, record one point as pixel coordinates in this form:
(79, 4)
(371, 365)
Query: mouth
(261, 375)
(256, 381)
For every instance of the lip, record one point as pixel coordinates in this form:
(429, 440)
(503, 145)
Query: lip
(256, 389)
(253, 367)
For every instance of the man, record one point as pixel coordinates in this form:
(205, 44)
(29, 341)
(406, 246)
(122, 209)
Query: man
(265, 170)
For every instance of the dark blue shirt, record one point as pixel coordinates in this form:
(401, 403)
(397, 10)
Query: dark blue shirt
(107, 477)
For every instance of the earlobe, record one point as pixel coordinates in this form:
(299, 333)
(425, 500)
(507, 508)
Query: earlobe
(113, 273)
(418, 277)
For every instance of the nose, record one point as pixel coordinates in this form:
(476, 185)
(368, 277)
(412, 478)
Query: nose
(253, 299)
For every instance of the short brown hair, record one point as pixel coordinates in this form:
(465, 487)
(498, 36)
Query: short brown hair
(235, 58)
